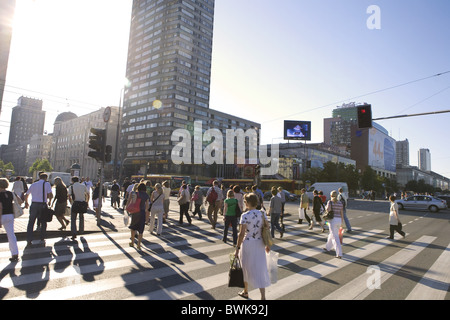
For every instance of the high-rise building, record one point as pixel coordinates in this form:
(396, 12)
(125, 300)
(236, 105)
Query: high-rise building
(27, 119)
(6, 18)
(424, 159)
(169, 70)
(402, 153)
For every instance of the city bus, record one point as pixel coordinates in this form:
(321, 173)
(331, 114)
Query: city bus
(174, 181)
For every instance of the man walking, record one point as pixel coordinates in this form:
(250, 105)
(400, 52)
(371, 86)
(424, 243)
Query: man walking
(41, 195)
(79, 198)
(214, 197)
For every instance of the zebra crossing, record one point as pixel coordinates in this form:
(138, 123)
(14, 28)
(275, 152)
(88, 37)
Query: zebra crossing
(191, 263)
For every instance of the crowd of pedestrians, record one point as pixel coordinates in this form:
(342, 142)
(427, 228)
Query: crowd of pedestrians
(147, 205)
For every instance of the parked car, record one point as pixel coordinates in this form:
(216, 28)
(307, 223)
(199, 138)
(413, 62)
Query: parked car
(446, 198)
(422, 203)
(289, 196)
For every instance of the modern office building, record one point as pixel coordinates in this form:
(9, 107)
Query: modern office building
(402, 152)
(27, 119)
(169, 70)
(7, 8)
(424, 159)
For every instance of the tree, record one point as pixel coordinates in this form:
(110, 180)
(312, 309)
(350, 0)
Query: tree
(334, 172)
(40, 165)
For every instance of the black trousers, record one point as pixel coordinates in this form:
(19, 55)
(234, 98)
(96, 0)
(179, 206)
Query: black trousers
(184, 210)
(397, 228)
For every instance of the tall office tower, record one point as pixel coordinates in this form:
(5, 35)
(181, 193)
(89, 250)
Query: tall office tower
(424, 159)
(27, 119)
(6, 19)
(169, 70)
(402, 153)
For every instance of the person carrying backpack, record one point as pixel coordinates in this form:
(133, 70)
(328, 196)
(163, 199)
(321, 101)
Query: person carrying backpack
(214, 198)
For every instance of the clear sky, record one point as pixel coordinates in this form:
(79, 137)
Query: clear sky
(272, 60)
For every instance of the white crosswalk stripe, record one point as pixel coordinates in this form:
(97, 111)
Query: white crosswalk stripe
(192, 262)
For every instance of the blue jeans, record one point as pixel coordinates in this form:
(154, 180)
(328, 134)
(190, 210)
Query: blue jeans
(347, 223)
(274, 223)
(35, 213)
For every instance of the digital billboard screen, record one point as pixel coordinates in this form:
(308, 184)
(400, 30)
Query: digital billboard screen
(297, 130)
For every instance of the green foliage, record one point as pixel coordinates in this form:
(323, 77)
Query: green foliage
(7, 166)
(40, 165)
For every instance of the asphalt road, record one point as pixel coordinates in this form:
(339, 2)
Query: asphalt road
(190, 262)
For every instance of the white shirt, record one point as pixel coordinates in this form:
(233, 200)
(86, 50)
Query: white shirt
(130, 188)
(166, 192)
(79, 191)
(18, 187)
(36, 191)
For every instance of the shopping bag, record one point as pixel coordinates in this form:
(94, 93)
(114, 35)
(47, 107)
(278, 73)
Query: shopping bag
(236, 275)
(18, 211)
(203, 209)
(266, 236)
(126, 219)
(341, 235)
(272, 265)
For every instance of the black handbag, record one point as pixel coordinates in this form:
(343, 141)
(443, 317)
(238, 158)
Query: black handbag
(46, 213)
(329, 214)
(236, 275)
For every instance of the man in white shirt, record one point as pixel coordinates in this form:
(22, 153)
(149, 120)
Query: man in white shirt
(79, 198)
(41, 193)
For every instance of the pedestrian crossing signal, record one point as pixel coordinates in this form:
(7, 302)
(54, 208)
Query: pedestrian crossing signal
(365, 116)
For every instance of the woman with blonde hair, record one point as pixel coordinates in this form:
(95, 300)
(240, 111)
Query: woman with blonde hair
(61, 198)
(157, 210)
(333, 241)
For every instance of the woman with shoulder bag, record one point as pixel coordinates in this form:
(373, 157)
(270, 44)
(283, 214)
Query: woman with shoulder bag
(335, 223)
(139, 218)
(251, 248)
(7, 217)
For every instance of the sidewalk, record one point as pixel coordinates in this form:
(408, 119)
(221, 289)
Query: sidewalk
(112, 221)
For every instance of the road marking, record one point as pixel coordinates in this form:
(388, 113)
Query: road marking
(357, 289)
(435, 283)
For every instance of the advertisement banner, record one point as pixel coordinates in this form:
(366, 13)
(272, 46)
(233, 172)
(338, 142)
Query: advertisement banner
(381, 150)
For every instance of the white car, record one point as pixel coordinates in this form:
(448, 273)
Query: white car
(422, 203)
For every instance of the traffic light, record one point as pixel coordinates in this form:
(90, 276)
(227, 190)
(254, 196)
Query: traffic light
(97, 143)
(108, 151)
(365, 116)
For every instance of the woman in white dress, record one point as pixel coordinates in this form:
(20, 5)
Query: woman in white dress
(251, 249)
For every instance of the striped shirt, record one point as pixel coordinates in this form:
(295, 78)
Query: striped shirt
(337, 208)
